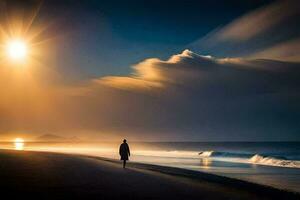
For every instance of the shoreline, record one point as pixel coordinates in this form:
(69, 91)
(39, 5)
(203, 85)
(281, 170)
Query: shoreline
(20, 168)
(193, 174)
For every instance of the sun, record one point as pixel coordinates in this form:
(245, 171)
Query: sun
(17, 49)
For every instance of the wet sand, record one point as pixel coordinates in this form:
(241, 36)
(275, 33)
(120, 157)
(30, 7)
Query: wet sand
(41, 175)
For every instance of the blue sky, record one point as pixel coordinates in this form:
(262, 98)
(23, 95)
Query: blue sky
(107, 37)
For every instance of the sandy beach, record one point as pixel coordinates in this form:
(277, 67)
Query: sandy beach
(41, 175)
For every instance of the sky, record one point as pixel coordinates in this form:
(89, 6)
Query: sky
(152, 70)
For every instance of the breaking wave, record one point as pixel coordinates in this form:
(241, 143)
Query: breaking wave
(278, 161)
(271, 161)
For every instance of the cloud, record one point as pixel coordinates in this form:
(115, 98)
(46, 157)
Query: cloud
(286, 51)
(198, 97)
(254, 32)
(146, 76)
(154, 73)
(187, 97)
(258, 21)
(206, 73)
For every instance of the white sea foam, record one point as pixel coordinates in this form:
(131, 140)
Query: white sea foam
(206, 153)
(271, 161)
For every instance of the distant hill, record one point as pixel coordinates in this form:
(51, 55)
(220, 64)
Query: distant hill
(56, 138)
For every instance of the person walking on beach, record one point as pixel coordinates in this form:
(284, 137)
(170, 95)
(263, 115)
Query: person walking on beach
(124, 152)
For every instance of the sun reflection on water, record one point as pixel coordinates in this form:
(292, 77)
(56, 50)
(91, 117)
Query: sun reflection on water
(205, 162)
(19, 144)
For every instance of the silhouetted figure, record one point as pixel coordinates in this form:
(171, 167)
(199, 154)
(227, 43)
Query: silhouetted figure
(124, 152)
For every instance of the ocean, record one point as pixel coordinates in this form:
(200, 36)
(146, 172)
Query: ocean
(275, 164)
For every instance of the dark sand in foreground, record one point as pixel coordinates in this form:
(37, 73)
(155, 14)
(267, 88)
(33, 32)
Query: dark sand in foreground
(40, 175)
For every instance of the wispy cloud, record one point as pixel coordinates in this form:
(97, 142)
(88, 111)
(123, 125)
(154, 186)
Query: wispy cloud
(254, 32)
(286, 51)
(258, 21)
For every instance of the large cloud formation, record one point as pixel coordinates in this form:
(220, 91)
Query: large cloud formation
(187, 97)
(209, 75)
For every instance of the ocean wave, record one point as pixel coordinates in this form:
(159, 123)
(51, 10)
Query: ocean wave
(278, 161)
(271, 161)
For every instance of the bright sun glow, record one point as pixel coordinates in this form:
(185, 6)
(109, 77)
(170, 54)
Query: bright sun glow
(19, 144)
(17, 49)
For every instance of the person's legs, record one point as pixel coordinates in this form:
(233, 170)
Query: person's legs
(124, 163)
